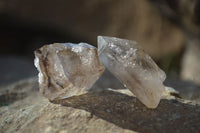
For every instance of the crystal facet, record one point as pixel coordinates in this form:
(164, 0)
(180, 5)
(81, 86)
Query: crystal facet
(133, 67)
(67, 69)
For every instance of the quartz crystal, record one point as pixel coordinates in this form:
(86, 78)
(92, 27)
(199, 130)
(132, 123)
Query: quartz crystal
(133, 67)
(67, 69)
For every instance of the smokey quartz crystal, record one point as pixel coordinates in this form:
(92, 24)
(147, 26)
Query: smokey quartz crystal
(133, 67)
(67, 69)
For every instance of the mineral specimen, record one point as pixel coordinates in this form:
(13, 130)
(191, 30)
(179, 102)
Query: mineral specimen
(133, 67)
(67, 69)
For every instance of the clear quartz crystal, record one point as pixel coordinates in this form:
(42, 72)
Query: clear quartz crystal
(67, 69)
(133, 67)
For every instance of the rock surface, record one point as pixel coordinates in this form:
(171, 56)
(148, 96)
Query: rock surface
(100, 112)
(187, 90)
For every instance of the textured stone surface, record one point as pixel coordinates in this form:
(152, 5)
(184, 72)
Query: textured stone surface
(131, 65)
(187, 90)
(102, 112)
(67, 69)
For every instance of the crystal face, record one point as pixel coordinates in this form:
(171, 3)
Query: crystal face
(133, 67)
(67, 69)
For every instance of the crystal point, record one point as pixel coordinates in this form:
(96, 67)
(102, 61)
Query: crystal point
(133, 67)
(67, 69)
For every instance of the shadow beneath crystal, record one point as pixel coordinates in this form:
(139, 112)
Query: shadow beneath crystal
(127, 112)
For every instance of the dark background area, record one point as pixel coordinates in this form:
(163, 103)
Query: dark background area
(167, 30)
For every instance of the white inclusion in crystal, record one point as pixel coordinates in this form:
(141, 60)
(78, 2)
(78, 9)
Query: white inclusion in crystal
(133, 67)
(37, 65)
